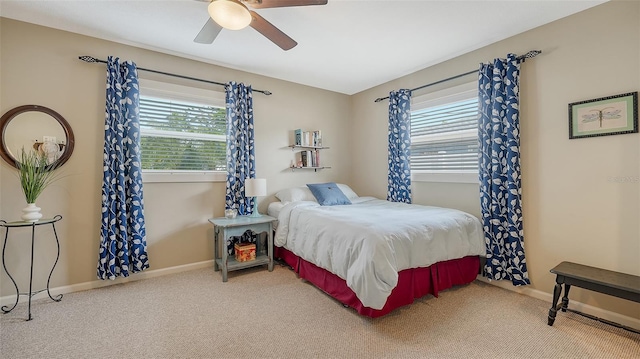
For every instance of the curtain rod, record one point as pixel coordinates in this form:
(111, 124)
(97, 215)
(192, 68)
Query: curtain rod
(93, 59)
(529, 55)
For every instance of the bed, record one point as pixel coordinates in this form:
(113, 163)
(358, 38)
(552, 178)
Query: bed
(374, 255)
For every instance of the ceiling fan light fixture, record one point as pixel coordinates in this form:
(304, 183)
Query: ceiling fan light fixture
(230, 14)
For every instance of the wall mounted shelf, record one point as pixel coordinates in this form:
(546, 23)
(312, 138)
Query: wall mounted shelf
(293, 147)
(307, 146)
(315, 169)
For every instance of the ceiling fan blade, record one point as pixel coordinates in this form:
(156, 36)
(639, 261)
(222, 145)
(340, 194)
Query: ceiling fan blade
(271, 32)
(265, 4)
(208, 33)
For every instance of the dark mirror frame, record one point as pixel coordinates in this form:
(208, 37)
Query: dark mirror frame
(9, 115)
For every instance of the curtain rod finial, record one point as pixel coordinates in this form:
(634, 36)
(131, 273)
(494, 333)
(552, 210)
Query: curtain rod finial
(87, 58)
(532, 54)
(268, 93)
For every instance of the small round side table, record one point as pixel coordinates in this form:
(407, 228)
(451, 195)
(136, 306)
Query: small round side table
(33, 226)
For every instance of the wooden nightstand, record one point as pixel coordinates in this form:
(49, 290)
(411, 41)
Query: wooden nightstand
(224, 228)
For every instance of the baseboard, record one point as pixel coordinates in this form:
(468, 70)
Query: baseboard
(585, 308)
(10, 299)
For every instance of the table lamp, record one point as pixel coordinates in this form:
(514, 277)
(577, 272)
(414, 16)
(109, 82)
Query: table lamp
(255, 187)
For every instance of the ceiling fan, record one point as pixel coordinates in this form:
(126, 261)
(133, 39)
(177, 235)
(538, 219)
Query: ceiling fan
(235, 15)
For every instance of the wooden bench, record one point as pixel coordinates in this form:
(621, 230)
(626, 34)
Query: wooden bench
(617, 284)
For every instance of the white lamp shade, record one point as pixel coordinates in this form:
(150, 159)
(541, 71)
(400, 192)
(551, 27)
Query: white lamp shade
(230, 14)
(255, 187)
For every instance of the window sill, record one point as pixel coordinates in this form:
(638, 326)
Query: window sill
(446, 177)
(154, 176)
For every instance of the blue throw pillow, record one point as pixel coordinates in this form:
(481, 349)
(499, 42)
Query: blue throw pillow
(328, 194)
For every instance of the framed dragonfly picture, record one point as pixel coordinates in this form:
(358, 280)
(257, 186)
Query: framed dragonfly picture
(611, 115)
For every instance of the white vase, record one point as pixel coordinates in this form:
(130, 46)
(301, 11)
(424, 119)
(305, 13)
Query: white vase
(31, 213)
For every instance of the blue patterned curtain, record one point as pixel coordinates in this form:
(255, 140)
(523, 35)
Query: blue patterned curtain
(123, 247)
(241, 162)
(399, 177)
(499, 162)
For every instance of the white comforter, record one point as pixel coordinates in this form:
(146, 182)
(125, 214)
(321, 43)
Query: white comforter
(369, 242)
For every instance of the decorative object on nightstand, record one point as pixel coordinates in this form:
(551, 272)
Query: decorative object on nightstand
(230, 213)
(245, 252)
(255, 187)
(309, 144)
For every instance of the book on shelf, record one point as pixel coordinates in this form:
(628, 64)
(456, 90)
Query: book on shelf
(298, 137)
(317, 138)
(309, 159)
(304, 159)
(306, 138)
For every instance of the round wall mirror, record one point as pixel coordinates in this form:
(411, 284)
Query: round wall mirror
(38, 128)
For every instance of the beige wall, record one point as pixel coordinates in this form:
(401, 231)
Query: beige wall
(40, 66)
(574, 208)
(581, 197)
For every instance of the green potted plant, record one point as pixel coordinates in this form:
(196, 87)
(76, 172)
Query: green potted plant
(36, 173)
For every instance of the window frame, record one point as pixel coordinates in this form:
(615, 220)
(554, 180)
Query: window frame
(208, 97)
(441, 97)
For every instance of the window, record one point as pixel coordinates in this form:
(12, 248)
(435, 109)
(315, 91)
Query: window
(444, 135)
(182, 133)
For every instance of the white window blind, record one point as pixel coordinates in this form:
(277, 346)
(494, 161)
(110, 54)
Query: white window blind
(181, 136)
(445, 137)
(444, 134)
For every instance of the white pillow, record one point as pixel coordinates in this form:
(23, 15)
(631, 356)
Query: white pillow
(296, 194)
(347, 191)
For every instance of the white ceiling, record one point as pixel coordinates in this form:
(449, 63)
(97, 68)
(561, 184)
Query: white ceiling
(345, 46)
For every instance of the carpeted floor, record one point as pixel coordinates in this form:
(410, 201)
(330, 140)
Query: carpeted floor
(258, 314)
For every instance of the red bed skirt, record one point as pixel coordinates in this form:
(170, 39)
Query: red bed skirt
(412, 283)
